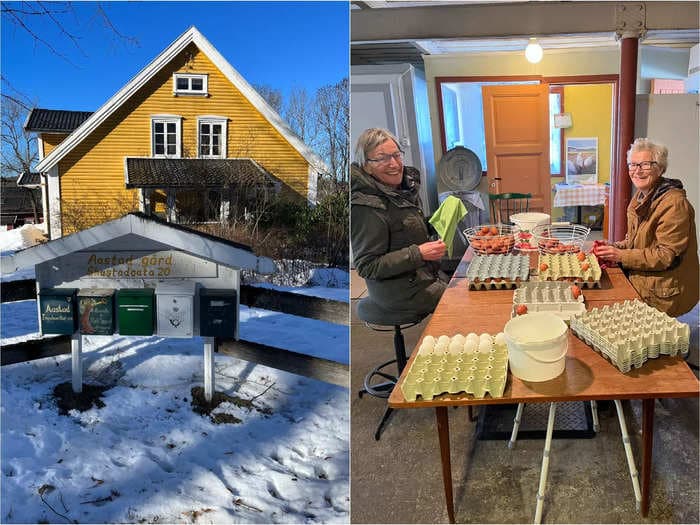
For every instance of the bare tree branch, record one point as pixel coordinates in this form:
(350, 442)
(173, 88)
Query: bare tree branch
(23, 15)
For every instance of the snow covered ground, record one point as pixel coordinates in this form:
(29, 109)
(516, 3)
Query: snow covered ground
(146, 456)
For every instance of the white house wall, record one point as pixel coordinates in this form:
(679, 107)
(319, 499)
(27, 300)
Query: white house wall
(658, 62)
(53, 196)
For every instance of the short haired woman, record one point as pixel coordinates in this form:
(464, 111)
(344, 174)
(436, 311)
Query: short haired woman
(388, 231)
(660, 251)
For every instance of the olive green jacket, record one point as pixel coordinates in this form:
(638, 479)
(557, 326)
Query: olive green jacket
(386, 227)
(660, 250)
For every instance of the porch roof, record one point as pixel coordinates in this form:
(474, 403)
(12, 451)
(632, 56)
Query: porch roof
(146, 172)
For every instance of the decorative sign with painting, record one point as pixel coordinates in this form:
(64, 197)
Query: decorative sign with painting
(582, 160)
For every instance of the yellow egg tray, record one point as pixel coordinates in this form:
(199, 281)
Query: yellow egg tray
(475, 364)
(628, 334)
(567, 267)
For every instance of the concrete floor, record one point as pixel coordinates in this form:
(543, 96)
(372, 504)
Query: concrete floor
(398, 479)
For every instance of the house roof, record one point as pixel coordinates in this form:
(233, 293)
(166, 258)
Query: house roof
(29, 179)
(175, 236)
(144, 172)
(55, 120)
(16, 200)
(192, 35)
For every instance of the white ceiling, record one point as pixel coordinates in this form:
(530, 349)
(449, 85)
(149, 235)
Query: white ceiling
(389, 50)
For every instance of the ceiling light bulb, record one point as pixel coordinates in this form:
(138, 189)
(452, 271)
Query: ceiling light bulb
(533, 51)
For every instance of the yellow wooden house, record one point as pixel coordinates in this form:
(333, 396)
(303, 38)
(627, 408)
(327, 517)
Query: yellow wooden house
(177, 141)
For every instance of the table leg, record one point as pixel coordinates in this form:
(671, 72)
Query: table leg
(647, 444)
(443, 427)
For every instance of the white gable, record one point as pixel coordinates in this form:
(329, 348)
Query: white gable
(192, 35)
(140, 226)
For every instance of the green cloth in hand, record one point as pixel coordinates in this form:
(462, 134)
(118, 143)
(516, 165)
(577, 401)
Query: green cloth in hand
(445, 220)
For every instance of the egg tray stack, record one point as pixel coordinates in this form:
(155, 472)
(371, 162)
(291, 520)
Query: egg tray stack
(548, 296)
(628, 334)
(498, 271)
(472, 364)
(567, 267)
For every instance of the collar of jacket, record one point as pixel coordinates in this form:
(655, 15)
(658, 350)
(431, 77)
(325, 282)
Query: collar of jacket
(367, 190)
(661, 187)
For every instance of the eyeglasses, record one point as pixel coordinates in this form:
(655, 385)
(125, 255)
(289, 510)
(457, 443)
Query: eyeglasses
(644, 165)
(386, 159)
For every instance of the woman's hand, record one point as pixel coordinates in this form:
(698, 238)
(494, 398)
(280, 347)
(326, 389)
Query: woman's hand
(609, 253)
(432, 250)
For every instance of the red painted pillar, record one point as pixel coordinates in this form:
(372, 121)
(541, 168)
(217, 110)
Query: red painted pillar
(621, 186)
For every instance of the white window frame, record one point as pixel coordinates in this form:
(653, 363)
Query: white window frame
(204, 92)
(212, 119)
(167, 119)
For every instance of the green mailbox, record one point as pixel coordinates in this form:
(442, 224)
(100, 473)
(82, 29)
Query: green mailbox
(57, 313)
(96, 311)
(136, 311)
(218, 313)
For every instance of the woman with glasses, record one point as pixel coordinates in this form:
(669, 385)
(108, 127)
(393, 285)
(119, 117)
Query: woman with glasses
(660, 251)
(389, 233)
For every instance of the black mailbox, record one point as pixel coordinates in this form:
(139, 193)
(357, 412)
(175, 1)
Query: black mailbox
(57, 311)
(218, 313)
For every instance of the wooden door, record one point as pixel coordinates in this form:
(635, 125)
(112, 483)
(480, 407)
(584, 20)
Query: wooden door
(516, 128)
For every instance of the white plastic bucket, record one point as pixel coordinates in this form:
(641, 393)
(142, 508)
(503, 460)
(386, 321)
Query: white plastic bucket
(537, 345)
(527, 221)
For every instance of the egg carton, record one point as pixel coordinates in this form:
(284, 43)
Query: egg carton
(628, 334)
(473, 364)
(567, 267)
(548, 296)
(498, 271)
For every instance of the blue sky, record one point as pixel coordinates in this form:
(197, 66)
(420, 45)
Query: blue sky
(280, 44)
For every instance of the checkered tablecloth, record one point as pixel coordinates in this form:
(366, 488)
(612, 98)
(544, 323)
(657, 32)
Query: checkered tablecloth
(579, 195)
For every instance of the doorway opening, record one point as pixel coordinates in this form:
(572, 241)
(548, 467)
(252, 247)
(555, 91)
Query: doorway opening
(579, 107)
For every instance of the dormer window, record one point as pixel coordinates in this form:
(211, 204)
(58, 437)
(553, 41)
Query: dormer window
(190, 84)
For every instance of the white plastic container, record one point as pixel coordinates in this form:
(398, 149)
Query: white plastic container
(537, 345)
(526, 222)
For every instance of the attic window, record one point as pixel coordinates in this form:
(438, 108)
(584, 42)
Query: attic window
(190, 84)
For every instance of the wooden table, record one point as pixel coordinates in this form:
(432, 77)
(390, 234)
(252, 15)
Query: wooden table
(587, 376)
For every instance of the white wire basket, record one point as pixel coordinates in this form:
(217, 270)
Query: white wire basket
(488, 239)
(560, 238)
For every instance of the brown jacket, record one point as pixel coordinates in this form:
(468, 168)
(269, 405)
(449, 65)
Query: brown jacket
(661, 250)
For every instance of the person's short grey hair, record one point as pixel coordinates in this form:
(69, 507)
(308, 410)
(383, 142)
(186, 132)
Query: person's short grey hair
(659, 152)
(370, 139)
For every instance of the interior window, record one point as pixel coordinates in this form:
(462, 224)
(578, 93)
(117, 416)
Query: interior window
(555, 134)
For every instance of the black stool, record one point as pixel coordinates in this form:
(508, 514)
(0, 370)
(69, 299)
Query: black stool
(373, 314)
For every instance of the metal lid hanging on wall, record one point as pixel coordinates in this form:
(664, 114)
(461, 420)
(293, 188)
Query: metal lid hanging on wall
(458, 170)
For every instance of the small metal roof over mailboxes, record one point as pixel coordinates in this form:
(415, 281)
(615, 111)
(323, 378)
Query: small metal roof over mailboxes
(115, 251)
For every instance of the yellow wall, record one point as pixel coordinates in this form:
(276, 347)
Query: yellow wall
(591, 108)
(92, 174)
(51, 140)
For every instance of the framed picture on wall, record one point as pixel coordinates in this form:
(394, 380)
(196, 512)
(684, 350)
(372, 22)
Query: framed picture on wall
(582, 160)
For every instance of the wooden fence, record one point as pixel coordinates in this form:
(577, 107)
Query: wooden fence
(286, 302)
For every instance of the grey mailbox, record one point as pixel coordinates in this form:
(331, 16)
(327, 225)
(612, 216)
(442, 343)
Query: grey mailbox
(175, 308)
